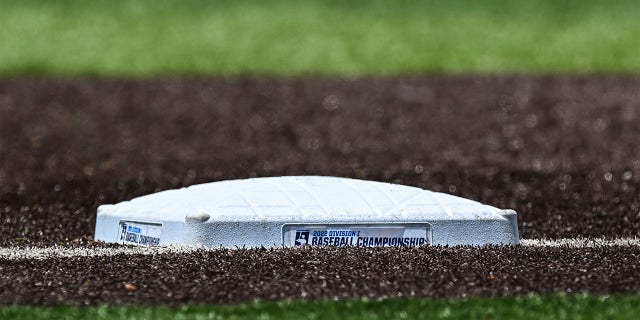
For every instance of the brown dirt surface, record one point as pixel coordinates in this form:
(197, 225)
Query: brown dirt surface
(224, 276)
(562, 151)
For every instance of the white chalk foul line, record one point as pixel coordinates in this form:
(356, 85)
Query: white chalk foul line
(14, 253)
(580, 242)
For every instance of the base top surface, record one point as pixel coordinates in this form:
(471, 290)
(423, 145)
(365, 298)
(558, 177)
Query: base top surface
(303, 198)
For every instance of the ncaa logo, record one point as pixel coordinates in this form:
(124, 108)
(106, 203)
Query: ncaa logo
(302, 237)
(123, 230)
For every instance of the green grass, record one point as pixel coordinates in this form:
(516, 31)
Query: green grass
(557, 307)
(341, 37)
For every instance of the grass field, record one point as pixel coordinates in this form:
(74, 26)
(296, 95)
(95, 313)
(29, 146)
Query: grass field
(144, 37)
(556, 307)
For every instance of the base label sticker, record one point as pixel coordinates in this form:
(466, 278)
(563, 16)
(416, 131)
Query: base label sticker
(362, 235)
(140, 233)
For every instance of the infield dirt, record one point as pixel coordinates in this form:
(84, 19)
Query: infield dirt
(562, 151)
(223, 276)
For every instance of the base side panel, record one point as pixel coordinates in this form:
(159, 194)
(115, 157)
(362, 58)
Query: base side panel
(270, 234)
(109, 226)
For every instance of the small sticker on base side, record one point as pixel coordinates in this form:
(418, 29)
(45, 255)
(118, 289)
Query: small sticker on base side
(139, 233)
(361, 235)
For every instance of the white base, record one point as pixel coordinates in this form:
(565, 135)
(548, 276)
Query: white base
(275, 212)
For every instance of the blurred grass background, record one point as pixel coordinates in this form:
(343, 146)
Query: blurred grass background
(138, 38)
